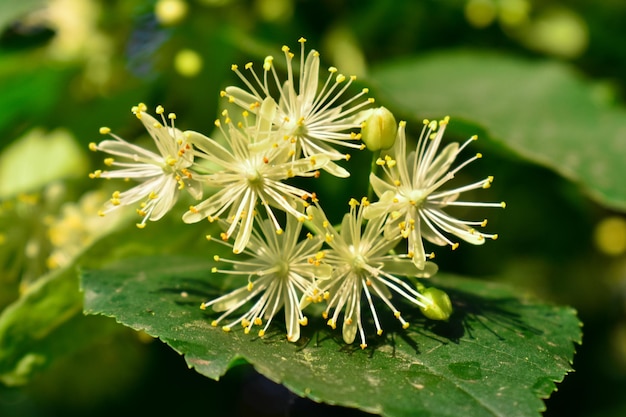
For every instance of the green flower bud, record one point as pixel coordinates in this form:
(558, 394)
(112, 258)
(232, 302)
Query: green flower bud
(440, 307)
(379, 130)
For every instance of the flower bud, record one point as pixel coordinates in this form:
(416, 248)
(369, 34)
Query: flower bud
(440, 307)
(379, 130)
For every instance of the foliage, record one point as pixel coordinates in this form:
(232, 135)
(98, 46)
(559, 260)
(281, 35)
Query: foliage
(542, 85)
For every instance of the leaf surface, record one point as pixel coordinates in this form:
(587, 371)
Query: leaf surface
(541, 110)
(498, 355)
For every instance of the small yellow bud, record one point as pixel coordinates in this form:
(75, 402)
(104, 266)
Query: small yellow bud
(440, 307)
(379, 130)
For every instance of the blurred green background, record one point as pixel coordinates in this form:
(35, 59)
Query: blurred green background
(68, 67)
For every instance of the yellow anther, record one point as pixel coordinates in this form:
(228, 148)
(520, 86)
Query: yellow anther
(304, 321)
(332, 70)
(104, 131)
(261, 333)
(347, 156)
(140, 225)
(95, 174)
(153, 195)
(250, 286)
(455, 245)
(363, 345)
(202, 306)
(379, 332)
(214, 269)
(331, 323)
(340, 78)
(267, 63)
(93, 147)
(216, 258)
(101, 213)
(285, 48)
(245, 323)
(234, 67)
(405, 325)
(109, 161)
(396, 314)
(503, 204)
(193, 209)
(380, 162)
(325, 315)
(302, 40)
(171, 116)
(160, 109)
(494, 237)
(479, 155)
(226, 328)
(214, 323)
(258, 321)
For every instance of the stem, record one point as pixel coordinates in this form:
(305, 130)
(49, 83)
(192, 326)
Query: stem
(373, 168)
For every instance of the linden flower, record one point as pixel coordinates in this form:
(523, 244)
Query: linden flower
(313, 118)
(281, 271)
(411, 193)
(251, 171)
(161, 175)
(362, 266)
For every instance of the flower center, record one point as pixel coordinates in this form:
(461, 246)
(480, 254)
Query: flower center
(358, 261)
(297, 128)
(253, 176)
(416, 197)
(282, 269)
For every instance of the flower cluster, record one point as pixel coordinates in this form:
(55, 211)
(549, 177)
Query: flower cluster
(289, 129)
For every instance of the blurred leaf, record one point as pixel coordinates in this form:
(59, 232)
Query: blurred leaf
(541, 110)
(498, 355)
(40, 324)
(30, 90)
(22, 163)
(13, 10)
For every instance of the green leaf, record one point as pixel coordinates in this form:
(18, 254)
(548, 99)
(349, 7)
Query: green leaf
(43, 323)
(498, 355)
(541, 110)
(56, 150)
(13, 10)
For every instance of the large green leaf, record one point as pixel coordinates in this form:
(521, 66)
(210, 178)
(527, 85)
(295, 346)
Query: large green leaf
(542, 110)
(499, 354)
(43, 324)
